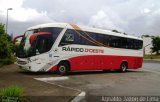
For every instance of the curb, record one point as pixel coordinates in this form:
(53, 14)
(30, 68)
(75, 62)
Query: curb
(152, 59)
(158, 60)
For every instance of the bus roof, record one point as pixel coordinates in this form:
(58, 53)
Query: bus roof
(61, 25)
(84, 28)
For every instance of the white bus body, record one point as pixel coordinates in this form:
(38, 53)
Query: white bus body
(76, 48)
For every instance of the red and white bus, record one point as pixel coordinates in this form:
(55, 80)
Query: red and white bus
(64, 47)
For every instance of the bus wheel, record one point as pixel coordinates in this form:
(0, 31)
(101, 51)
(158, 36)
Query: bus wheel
(63, 68)
(123, 67)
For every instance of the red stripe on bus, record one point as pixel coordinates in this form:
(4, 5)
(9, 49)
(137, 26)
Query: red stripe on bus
(102, 62)
(53, 68)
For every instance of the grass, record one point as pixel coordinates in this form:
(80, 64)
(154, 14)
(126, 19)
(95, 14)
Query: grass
(151, 56)
(11, 93)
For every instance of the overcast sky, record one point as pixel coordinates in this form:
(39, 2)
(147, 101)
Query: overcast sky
(135, 17)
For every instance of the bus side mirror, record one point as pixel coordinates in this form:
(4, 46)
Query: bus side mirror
(17, 37)
(32, 38)
(35, 35)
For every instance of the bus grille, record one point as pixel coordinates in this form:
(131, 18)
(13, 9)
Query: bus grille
(22, 62)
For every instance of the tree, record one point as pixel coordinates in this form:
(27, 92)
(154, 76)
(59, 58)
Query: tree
(116, 31)
(146, 35)
(125, 33)
(5, 44)
(156, 45)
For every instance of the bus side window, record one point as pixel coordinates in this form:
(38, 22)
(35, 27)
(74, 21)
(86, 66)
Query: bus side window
(68, 38)
(80, 37)
(113, 41)
(107, 40)
(100, 38)
(138, 44)
(123, 42)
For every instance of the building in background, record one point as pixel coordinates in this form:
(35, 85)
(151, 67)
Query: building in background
(147, 44)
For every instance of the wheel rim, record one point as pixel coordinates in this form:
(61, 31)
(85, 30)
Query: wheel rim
(124, 67)
(62, 69)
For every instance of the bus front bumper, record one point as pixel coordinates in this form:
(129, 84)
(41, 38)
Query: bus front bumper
(24, 67)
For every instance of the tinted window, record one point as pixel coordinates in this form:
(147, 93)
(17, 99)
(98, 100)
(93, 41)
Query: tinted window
(138, 44)
(54, 31)
(41, 44)
(44, 43)
(68, 38)
(115, 41)
(96, 39)
(107, 39)
(75, 37)
(99, 38)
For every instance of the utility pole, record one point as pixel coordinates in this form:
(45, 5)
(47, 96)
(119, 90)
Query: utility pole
(7, 18)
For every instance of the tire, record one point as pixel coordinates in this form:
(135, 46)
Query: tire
(123, 67)
(63, 68)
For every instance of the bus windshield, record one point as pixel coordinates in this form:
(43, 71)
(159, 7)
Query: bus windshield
(41, 44)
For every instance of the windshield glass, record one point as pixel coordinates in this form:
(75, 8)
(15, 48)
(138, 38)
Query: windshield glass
(40, 45)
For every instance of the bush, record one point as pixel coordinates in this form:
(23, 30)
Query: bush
(5, 43)
(6, 61)
(151, 56)
(15, 48)
(6, 47)
(156, 45)
(12, 93)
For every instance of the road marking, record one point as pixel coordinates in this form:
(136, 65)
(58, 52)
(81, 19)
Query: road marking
(52, 78)
(77, 98)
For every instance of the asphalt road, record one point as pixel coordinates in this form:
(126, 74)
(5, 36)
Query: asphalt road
(141, 82)
(34, 90)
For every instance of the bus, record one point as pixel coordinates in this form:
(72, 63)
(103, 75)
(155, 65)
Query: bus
(64, 48)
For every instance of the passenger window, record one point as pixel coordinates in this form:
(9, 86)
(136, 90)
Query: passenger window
(68, 38)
